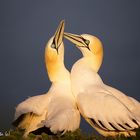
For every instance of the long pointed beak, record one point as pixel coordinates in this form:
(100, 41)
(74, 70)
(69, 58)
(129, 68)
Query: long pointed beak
(58, 36)
(78, 40)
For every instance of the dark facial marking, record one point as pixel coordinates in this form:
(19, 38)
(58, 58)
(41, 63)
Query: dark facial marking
(53, 45)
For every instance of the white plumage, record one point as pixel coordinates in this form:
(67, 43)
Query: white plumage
(107, 109)
(36, 104)
(55, 110)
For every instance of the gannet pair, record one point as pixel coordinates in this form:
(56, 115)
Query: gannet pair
(56, 111)
(106, 109)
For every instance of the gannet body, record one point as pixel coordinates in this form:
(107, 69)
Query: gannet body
(105, 108)
(56, 111)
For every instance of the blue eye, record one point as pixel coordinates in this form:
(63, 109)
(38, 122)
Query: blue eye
(53, 45)
(87, 42)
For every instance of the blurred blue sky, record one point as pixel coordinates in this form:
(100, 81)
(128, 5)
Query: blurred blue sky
(26, 26)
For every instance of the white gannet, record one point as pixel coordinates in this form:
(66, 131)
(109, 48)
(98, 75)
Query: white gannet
(56, 111)
(105, 108)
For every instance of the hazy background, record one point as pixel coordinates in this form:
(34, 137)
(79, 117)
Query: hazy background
(26, 26)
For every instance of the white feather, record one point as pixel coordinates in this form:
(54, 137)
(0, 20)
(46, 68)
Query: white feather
(35, 104)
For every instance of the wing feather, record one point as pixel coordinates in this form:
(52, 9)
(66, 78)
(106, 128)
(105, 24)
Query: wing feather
(105, 110)
(62, 115)
(35, 104)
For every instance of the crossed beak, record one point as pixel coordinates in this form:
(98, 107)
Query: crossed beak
(78, 40)
(58, 36)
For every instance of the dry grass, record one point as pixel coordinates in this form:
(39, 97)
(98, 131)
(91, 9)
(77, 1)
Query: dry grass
(77, 135)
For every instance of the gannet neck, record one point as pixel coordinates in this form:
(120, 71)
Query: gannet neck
(83, 75)
(57, 72)
(55, 64)
(92, 61)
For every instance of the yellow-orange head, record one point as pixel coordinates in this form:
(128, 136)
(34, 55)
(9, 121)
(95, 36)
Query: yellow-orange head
(90, 46)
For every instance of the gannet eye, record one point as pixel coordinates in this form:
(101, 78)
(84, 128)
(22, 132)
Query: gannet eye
(53, 46)
(87, 42)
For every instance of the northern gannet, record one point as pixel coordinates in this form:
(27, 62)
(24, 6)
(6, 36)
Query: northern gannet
(56, 111)
(105, 108)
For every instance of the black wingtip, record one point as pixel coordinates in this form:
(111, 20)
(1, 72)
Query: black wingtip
(117, 130)
(96, 124)
(46, 130)
(18, 120)
(135, 122)
(41, 130)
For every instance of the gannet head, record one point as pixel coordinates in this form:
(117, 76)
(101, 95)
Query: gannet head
(55, 47)
(90, 46)
(54, 53)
